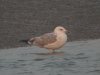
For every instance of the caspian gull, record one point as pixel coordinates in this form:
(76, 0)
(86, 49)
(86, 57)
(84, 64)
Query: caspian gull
(51, 41)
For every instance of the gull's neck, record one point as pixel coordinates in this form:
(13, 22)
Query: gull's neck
(59, 32)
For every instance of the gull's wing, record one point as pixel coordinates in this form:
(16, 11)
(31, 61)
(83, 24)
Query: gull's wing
(45, 39)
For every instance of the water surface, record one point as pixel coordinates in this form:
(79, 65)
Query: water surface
(75, 58)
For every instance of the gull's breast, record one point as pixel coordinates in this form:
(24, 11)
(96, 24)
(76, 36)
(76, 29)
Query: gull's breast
(61, 40)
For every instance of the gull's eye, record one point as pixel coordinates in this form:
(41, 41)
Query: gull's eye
(61, 29)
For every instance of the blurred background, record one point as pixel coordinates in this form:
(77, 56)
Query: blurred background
(22, 19)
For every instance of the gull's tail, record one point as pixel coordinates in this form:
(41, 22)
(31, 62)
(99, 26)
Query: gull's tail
(31, 41)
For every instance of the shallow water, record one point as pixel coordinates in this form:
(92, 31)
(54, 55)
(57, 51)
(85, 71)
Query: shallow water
(75, 58)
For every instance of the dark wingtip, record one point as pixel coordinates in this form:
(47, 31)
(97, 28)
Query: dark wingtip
(24, 41)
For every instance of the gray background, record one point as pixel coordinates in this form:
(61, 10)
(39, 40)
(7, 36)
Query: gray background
(22, 19)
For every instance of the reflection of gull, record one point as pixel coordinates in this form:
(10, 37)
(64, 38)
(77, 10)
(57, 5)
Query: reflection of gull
(51, 41)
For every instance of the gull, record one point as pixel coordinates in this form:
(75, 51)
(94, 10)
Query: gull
(51, 41)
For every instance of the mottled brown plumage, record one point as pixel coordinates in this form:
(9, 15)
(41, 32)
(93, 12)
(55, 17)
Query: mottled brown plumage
(45, 39)
(53, 40)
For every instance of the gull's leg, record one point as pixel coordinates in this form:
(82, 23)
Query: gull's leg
(50, 51)
(53, 51)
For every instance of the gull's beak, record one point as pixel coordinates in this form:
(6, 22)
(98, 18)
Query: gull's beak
(66, 31)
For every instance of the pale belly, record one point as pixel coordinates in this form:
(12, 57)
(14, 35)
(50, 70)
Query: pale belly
(61, 40)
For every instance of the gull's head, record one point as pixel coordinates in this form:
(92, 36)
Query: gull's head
(60, 29)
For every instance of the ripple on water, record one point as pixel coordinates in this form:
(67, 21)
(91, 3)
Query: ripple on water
(83, 61)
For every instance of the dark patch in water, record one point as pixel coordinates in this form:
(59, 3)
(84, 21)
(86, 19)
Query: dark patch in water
(39, 59)
(26, 72)
(66, 59)
(21, 60)
(80, 54)
(1, 67)
(81, 57)
(71, 63)
(95, 71)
